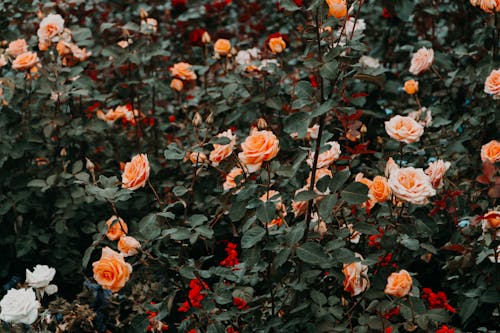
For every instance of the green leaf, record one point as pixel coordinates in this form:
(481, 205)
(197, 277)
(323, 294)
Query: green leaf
(355, 193)
(339, 179)
(149, 227)
(326, 205)
(281, 257)
(467, 308)
(289, 5)
(197, 219)
(323, 108)
(266, 212)
(295, 233)
(173, 152)
(330, 70)
(305, 195)
(311, 253)
(252, 237)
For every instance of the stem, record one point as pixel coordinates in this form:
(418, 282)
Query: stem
(268, 273)
(155, 194)
(400, 154)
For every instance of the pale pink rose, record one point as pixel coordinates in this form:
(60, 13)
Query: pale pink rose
(404, 129)
(128, 246)
(326, 158)
(17, 47)
(390, 166)
(422, 60)
(78, 53)
(412, 185)
(25, 61)
(490, 152)
(492, 83)
(50, 27)
(356, 277)
(436, 171)
(221, 152)
(230, 178)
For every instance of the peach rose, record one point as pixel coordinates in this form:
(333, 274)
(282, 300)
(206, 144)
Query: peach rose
(299, 207)
(25, 61)
(3, 61)
(112, 115)
(398, 284)
(491, 152)
(423, 116)
(197, 158)
(50, 27)
(489, 6)
(492, 84)
(230, 178)
(221, 152)
(17, 47)
(111, 271)
(492, 220)
(356, 277)
(128, 246)
(436, 171)
(182, 70)
(259, 146)
(277, 45)
(43, 45)
(274, 196)
(177, 85)
(390, 166)
(379, 190)
(337, 8)
(326, 158)
(222, 47)
(63, 49)
(405, 129)
(412, 185)
(360, 178)
(422, 60)
(320, 173)
(136, 172)
(116, 228)
(411, 87)
(79, 53)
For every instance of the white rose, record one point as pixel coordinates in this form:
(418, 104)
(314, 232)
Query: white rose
(19, 306)
(412, 185)
(40, 277)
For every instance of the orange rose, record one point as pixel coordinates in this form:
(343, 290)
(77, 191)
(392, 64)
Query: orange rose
(128, 246)
(111, 271)
(182, 70)
(116, 228)
(17, 47)
(412, 185)
(411, 87)
(489, 6)
(356, 277)
(492, 84)
(337, 8)
(222, 47)
(259, 147)
(277, 45)
(63, 48)
(422, 60)
(230, 178)
(50, 27)
(398, 284)
(136, 172)
(379, 190)
(299, 207)
(326, 158)
(492, 220)
(405, 129)
(221, 152)
(197, 158)
(25, 61)
(43, 45)
(360, 178)
(177, 85)
(436, 171)
(491, 152)
(112, 115)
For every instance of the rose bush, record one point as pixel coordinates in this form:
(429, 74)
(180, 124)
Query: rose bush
(259, 166)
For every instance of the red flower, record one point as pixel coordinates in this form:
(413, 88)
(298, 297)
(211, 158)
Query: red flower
(298, 2)
(231, 329)
(195, 36)
(195, 296)
(232, 256)
(388, 329)
(178, 4)
(171, 118)
(386, 14)
(391, 313)
(445, 329)
(437, 300)
(239, 303)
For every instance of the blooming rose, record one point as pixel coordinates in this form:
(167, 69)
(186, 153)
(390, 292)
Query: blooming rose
(492, 220)
(337, 8)
(197, 157)
(230, 178)
(222, 46)
(398, 284)
(17, 47)
(326, 158)
(50, 27)
(489, 6)
(116, 230)
(136, 172)
(177, 85)
(299, 207)
(259, 146)
(221, 152)
(404, 129)
(19, 306)
(379, 190)
(128, 246)
(40, 277)
(491, 152)
(112, 115)
(412, 185)
(182, 70)
(436, 171)
(356, 277)
(492, 84)
(422, 60)
(411, 87)
(111, 271)
(79, 53)
(277, 44)
(25, 61)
